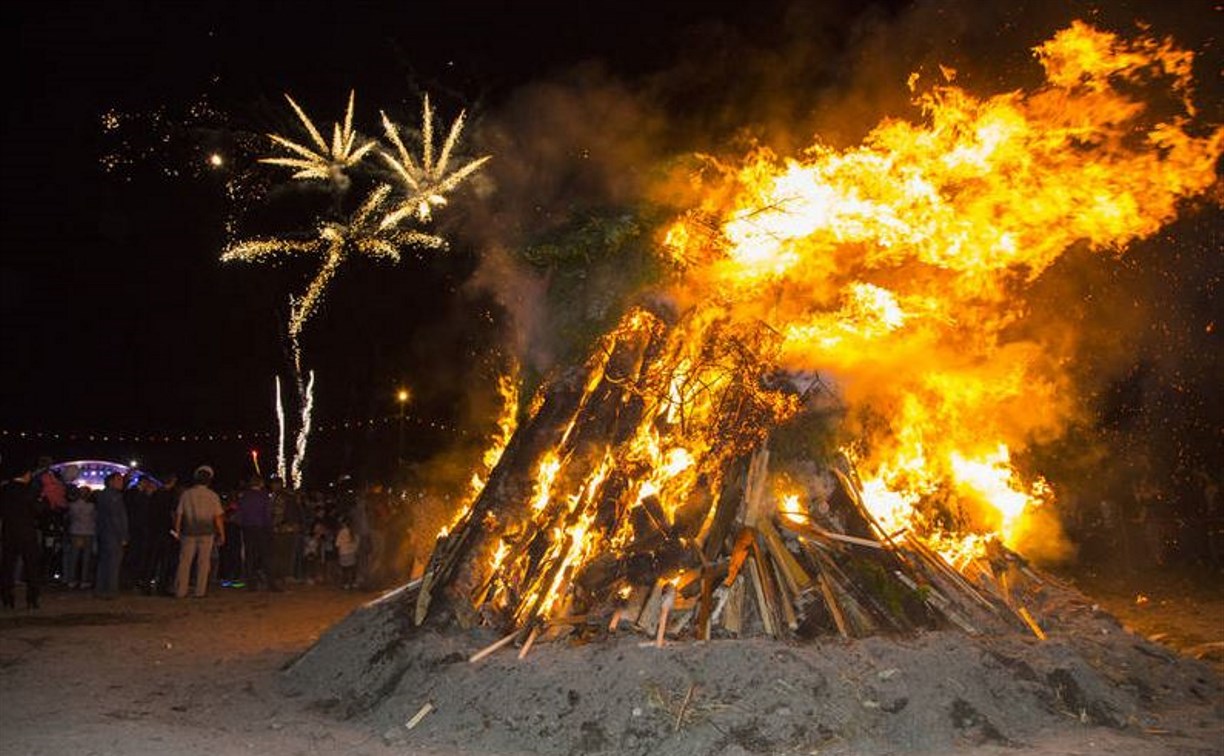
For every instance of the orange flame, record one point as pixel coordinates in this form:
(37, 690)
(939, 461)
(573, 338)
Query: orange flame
(897, 267)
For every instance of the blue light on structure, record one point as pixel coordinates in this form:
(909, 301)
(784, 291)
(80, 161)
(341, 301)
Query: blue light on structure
(93, 472)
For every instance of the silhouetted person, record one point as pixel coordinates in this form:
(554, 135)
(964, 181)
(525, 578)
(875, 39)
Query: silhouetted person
(255, 517)
(19, 510)
(163, 548)
(112, 535)
(137, 500)
(82, 529)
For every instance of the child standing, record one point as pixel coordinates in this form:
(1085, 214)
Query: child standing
(346, 549)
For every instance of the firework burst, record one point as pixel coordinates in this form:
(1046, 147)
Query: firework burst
(362, 234)
(322, 161)
(426, 181)
(373, 230)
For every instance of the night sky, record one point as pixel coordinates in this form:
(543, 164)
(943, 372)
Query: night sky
(118, 318)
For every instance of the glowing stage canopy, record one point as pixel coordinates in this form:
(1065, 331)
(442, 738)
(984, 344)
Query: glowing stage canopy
(91, 473)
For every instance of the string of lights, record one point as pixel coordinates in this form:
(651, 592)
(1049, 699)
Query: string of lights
(197, 436)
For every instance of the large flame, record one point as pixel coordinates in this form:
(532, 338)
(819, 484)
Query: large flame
(897, 270)
(898, 266)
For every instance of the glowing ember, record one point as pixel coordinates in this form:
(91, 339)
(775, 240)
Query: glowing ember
(790, 508)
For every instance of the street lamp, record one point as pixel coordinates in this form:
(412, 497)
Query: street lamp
(402, 397)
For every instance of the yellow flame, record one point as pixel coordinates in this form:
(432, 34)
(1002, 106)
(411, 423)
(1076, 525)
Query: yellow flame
(545, 474)
(499, 555)
(790, 508)
(508, 390)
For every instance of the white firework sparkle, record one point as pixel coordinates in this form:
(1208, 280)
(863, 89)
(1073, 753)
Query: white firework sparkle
(322, 161)
(426, 181)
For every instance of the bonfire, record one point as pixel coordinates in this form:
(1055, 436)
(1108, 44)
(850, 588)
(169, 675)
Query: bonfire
(698, 477)
(811, 434)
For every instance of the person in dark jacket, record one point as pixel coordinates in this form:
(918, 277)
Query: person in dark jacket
(163, 553)
(112, 536)
(137, 499)
(19, 511)
(255, 517)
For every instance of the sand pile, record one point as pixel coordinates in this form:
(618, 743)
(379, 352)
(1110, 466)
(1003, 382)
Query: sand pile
(1091, 687)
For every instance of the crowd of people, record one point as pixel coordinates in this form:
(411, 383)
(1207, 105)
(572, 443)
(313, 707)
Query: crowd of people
(139, 534)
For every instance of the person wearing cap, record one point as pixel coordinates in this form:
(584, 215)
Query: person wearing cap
(198, 519)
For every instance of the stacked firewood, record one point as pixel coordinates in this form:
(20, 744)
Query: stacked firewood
(724, 562)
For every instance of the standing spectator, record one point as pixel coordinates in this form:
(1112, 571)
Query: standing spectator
(137, 500)
(347, 545)
(52, 514)
(19, 510)
(162, 561)
(198, 519)
(112, 536)
(315, 549)
(51, 489)
(82, 527)
(229, 551)
(255, 517)
(286, 531)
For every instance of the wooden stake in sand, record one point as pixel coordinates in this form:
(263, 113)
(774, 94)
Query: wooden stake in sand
(491, 648)
(416, 719)
(669, 598)
(530, 640)
(1028, 620)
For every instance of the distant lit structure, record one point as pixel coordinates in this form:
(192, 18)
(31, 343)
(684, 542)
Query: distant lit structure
(92, 473)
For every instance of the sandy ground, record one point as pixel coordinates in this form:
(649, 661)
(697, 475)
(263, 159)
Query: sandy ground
(154, 675)
(243, 672)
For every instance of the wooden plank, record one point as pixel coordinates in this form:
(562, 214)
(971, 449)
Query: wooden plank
(743, 542)
(482, 653)
(780, 599)
(797, 578)
(758, 590)
(726, 510)
(835, 611)
(733, 609)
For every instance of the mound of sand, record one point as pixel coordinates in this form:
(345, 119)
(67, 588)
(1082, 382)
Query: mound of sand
(1091, 687)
